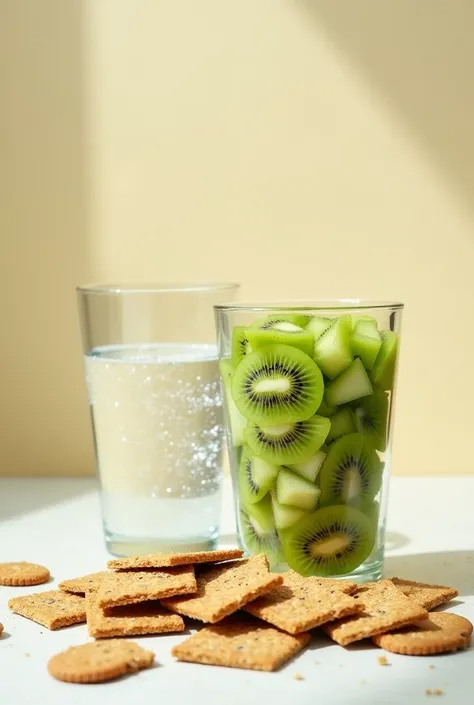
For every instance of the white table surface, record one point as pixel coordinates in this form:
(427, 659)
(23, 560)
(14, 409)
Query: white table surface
(56, 522)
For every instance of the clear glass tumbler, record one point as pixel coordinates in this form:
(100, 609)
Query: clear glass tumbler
(152, 377)
(309, 392)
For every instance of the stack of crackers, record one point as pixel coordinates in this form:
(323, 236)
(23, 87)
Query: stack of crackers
(256, 619)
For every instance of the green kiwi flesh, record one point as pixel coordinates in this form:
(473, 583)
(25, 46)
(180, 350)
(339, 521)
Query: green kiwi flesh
(256, 477)
(326, 410)
(284, 515)
(353, 383)
(290, 443)
(351, 473)
(383, 371)
(258, 530)
(240, 344)
(371, 418)
(332, 350)
(236, 422)
(319, 324)
(331, 541)
(296, 491)
(342, 423)
(280, 331)
(311, 467)
(366, 343)
(277, 384)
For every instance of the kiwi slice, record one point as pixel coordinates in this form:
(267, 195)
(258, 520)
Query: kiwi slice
(277, 384)
(284, 515)
(383, 371)
(353, 383)
(366, 342)
(366, 319)
(371, 417)
(319, 324)
(296, 491)
(259, 530)
(351, 473)
(288, 443)
(256, 476)
(311, 467)
(240, 344)
(342, 423)
(326, 410)
(278, 330)
(236, 422)
(332, 350)
(331, 541)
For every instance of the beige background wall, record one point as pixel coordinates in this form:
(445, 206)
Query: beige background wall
(306, 148)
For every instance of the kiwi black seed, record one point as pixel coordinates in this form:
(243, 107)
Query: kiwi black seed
(290, 443)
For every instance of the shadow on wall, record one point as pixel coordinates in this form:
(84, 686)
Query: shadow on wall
(419, 57)
(44, 252)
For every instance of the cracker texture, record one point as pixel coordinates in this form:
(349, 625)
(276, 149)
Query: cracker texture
(99, 661)
(52, 609)
(23, 573)
(163, 560)
(442, 632)
(427, 595)
(82, 585)
(128, 587)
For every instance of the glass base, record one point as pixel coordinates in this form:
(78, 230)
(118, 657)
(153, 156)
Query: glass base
(125, 546)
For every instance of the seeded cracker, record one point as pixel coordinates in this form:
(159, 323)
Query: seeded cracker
(99, 661)
(301, 603)
(238, 644)
(130, 620)
(164, 560)
(23, 573)
(53, 609)
(426, 595)
(137, 586)
(223, 589)
(385, 608)
(440, 633)
(83, 584)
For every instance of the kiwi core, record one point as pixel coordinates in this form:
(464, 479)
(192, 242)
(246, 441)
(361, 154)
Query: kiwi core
(330, 546)
(273, 385)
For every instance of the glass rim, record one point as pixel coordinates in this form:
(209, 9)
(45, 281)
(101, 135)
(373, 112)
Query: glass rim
(120, 288)
(305, 305)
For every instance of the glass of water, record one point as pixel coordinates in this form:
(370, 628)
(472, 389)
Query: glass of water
(152, 376)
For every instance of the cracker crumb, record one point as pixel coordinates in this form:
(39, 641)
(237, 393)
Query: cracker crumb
(298, 677)
(27, 654)
(431, 665)
(437, 691)
(383, 661)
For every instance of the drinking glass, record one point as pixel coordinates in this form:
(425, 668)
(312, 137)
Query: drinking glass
(309, 392)
(153, 387)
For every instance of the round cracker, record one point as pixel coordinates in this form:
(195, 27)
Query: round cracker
(99, 661)
(23, 573)
(442, 632)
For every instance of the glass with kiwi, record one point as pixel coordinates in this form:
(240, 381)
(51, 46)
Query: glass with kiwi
(309, 392)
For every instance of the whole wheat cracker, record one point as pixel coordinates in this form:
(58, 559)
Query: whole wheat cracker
(385, 608)
(163, 560)
(128, 587)
(440, 633)
(427, 595)
(224, 588)
(300, 604)
(22, 574)
(130, 620)
(241, 644)
(97, 662)
(83, 584)
(52, 609)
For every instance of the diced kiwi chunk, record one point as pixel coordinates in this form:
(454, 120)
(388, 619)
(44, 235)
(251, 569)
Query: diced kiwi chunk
(367, 319)
(259, 532)
(256, 477)
(240, 344)
(236, 422)
(383, 371)
(319, 324)
(353, 383)
(371, 418)
(351, 473)
(311, 467)
(332, 541)
(277, 384)
(284, 515)
(326, 410)
(296, 491)
(342, 423)
(290, 443)
(366, 343)
(280, 331)
(332, 350)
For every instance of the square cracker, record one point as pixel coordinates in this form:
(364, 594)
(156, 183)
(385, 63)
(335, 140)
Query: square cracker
(223, 589)
(426, 595)
(53, 609)
(385, 608)
(130, 620)
(164, 560)
(241, 644)
(83, 584)
(137, 586)
(301, 603)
